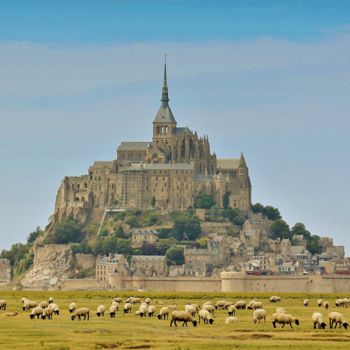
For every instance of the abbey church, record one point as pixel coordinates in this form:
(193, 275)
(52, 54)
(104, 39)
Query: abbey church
(166, 173)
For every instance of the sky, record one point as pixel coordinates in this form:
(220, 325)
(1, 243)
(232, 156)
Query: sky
(267, 78)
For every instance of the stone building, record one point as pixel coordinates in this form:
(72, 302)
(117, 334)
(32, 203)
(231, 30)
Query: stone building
(141, 236)
(165, 173)
(5, 271)
(111, 264)
(149, 265)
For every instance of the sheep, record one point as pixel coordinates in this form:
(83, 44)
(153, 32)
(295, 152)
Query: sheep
(72, 307)
(231, 310)
(306, 302)
(163, 313)
(220, 304)
(342, 302)
(44, 304)
(183, 316)
(151, 310)
(231, 319)
(172, 307)
(319, 302)
(280, 310)
(55, 309)
(317, 320)
(3, 304)
(47, 313)
(10, 314)
(51, 300)
(148, 301)
(116, 305)
(257, 305)
(100, 311)
(23, 300)
(249, 306)
(206, 316)
(240, 305)
(208, 303)
(284, 319)
(133, 300)
(36, 311)
(112, 311)
(82, 312)
(209, 308)
(127, 308)
(275, 299)
(29, 305)
(118, 300)
(228, 304)
(142, 311)
(258, 315)
(191, 309)
(336, 318)
(326, 304)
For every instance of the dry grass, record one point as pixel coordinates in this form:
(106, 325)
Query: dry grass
(131, 332)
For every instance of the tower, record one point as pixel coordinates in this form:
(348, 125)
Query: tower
(164, 124)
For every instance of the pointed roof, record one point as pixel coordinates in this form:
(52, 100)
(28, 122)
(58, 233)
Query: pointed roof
(242, 163)
(165, 115)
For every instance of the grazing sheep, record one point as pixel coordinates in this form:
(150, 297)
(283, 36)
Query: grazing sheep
(257, 305)
(231, 319)
(317, 320)
(118, 300)
(47, 313)
(209, 308)
(100, 311)
(220, 305)
(336, 318)
(142, 311)
(319, 302)
(163, 313)
(280, 310)
(249, 306)
(258, 315)
(231, 310)
(10, 314)
(3, 304)
(208, 303)
(191, 309)
(116, 305)
(206, 316)
(127, 308)
(82, 312)
(44, 304)
(51, 300)
(240, 305)
(23, 300)
(228, 304)
(172, 307)
(275, 299)
(72, 307)
(112, 311)
(306, 302)
(133, 300)
(29, 305)
(183, 316)
(284, 319)
(148, 301)
(151, 310)
(55, 309)
(326, 304)
(36, 311)
(344, 302)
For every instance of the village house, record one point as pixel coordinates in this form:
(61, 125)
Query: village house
(111, 264)
(149, 265)
(141, 236)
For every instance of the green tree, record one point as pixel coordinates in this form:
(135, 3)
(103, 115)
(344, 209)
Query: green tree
(164, 232)
(66, 231)
(313, 244)
(238, 220)
(230, 213)
(226, 200)
(257, 208)
(175, 256)
(153, 202)
(185, 226)
(271, 213)
(148, 249)
(214, 214)
(299, 229)
(34, 235)
(280, 229)
(204, 201)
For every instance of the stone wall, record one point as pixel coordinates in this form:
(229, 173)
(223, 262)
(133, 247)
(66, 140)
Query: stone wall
(81, 284)
(85, 261)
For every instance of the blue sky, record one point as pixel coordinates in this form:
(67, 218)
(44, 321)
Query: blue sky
(269, 78)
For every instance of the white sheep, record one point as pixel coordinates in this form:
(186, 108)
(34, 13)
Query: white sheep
(100, 311)
(183, 316)
(36, 311)
(55, 308)
(28, 304)
(283, 319)
(249, 306)
(151, 310)
(240, 305)
(163, 313)
(231, 310)
(10, 314)
(51, 300)
(116, 305)
(206, 316)
(118, 300)
(231, 319)
(257, 305)
(326, 304)
(317, 320)
(3, 304)
(258, 315)
(306, 302)
(172, 307)
(275, 299)
(72, 307)
(142, 311)
(82, 312)
(220, 304)
(191, 309)
(319, 302)
(47, 313)
(228, 304)
(44, 304)
(112, 311)
(127, 308)
(209, 308)
(336, 318)
(148, 301)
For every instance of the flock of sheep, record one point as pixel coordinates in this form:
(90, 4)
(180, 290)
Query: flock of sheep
(205, 312)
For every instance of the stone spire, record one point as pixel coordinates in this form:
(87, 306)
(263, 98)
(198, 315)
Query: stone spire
(165, 96)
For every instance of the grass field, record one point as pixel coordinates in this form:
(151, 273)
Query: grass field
(134, 332)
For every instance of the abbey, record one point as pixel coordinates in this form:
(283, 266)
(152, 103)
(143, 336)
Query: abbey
(166, 173)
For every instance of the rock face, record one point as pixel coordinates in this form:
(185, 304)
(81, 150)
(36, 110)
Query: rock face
(54, 261)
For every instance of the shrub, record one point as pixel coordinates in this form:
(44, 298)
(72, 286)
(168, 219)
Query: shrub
(175, 256)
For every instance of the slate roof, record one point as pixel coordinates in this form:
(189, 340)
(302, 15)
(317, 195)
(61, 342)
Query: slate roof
(164, 115)
(137, 146)
(228, 163)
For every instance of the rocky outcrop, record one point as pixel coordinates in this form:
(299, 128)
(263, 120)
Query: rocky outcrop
(51, 262)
